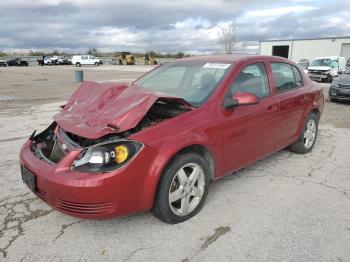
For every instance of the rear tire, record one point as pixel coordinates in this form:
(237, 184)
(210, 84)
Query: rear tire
(182, 188)
(97, 64)
(78, 64)
(308, 137)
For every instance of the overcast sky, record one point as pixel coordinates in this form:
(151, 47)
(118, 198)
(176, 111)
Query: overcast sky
(167, 26)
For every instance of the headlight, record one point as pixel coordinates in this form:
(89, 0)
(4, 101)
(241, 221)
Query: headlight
(327, 72)
(106, 157)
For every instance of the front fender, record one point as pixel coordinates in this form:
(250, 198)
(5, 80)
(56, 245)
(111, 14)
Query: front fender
(168, 148)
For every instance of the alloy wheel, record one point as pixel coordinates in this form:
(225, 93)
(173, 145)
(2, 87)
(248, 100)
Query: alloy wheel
(310, 133)
(186, 189)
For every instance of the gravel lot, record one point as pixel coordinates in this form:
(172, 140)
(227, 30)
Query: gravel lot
(286, 207)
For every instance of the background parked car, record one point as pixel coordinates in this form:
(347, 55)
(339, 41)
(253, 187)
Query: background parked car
(17, 61)
(326, 68)
(114, 62)
(340, 88)
(3, 62)
(54, 60)
(64, 61)
(79, 60)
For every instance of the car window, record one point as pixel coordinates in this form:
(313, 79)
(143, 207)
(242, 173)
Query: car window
(284, 76)
(297, 76)
(252, 79)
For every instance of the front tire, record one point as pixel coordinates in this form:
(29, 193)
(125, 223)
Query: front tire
(78, 64)
(182, 188)
(307, 139)
(329, 79)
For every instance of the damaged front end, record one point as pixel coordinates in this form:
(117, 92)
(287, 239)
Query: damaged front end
(45, 146)
(53, 144)
(103, 154)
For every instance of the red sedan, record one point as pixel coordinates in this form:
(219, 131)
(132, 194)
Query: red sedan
(157, 143)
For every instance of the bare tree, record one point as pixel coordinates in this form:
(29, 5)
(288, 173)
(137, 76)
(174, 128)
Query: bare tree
(93, 51)
(227, 38)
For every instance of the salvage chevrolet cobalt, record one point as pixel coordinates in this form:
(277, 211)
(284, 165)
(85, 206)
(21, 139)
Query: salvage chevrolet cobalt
(156, 144)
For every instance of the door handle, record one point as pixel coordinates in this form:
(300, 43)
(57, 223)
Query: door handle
(272, 109)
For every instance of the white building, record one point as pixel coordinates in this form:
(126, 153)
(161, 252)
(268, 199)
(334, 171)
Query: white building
(296, 49)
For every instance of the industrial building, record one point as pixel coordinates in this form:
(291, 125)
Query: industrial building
(297, 49)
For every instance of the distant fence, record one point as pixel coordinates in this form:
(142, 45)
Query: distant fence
(32, 60)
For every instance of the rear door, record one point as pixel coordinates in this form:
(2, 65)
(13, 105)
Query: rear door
(290, 93)
(249, 131)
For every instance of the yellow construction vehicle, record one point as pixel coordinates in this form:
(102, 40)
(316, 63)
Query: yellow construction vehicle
(127, 59)
(150, 60)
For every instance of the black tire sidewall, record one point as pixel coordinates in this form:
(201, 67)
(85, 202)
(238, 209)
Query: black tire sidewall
(161, 206)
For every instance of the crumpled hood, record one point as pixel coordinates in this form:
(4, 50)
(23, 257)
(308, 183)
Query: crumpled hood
(98, 109)
(321, 68)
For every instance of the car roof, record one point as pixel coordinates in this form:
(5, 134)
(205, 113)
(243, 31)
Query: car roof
(231, 58)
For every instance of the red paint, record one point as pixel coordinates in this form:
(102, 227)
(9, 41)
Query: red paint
(235, 137)
(244, 98)
(94, 106)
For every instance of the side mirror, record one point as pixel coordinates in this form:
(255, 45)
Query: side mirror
(240, 99)
(230, 102)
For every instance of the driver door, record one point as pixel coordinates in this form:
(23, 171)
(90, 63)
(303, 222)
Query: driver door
(249, 132)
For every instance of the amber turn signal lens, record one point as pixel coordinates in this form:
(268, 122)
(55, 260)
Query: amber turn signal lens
(121, 154)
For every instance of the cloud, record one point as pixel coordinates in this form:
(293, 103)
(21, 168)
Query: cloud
(166, 26)
(278, 11)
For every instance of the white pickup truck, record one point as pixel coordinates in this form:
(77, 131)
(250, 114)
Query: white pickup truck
(326, 68)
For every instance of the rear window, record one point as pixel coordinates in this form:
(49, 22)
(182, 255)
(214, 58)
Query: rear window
(297, 76)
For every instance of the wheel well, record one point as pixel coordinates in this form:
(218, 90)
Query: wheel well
(200, 150)
(203, 152)
(316, 112)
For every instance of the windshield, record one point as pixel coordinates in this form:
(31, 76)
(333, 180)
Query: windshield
(192, 81)
(325, 62)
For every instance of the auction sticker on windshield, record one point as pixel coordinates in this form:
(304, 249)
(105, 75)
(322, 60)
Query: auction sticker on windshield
(216, 65)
